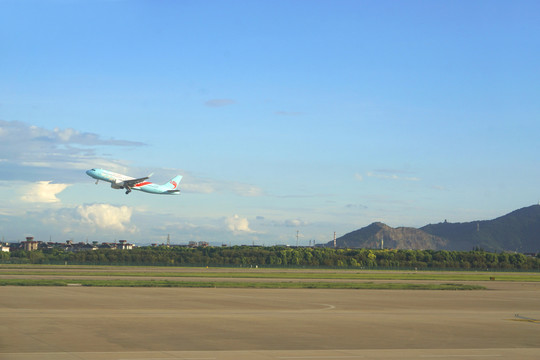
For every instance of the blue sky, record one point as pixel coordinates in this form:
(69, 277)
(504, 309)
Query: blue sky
(316, 116)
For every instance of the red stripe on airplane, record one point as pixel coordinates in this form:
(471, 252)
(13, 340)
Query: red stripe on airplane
(142, 184)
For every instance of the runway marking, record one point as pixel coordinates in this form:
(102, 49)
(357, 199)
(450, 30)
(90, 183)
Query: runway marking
(327, 307)
(526, 319)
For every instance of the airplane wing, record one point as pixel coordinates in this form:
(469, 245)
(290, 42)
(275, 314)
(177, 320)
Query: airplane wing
(132, 182)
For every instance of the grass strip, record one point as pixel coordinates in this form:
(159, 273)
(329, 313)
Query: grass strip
(233, 284)
(261, 274)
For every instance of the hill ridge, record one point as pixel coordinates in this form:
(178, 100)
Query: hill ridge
(518, 230)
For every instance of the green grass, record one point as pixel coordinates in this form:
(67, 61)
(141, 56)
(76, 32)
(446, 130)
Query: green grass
(61, 275)
(291, 274)
(233, 284)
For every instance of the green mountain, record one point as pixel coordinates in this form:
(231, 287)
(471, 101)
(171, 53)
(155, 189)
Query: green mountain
(517, 231)
(391, 238)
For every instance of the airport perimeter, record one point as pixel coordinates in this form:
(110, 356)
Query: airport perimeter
(77, 322)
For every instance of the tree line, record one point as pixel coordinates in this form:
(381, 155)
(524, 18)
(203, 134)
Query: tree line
(279, 256)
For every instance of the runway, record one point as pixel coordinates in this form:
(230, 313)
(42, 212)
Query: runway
(405, 354)
(192, 323)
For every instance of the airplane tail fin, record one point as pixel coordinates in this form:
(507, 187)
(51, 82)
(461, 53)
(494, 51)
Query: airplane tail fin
(172, 185)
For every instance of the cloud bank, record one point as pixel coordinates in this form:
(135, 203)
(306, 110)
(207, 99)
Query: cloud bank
(29, 152)
(105, 216)
(43, 192)
(237, 225)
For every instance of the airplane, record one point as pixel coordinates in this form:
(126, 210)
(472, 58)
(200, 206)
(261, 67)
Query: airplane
(119, 181)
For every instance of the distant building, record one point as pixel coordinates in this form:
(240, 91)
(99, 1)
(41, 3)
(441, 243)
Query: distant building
(110, 246)
(194, 244)
(124, 245)
(30, 245)
(88, 247)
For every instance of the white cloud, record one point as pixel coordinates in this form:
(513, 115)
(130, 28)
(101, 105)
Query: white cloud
(107, 216)
(65, 135)
(358, 177)
(16, 132)
(236, 224)
(43, 192)
(294, 223)
(32, 152)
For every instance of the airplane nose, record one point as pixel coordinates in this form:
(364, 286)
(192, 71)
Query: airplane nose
(89, 172)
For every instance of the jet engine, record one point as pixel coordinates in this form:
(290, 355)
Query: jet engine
(117, 185)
